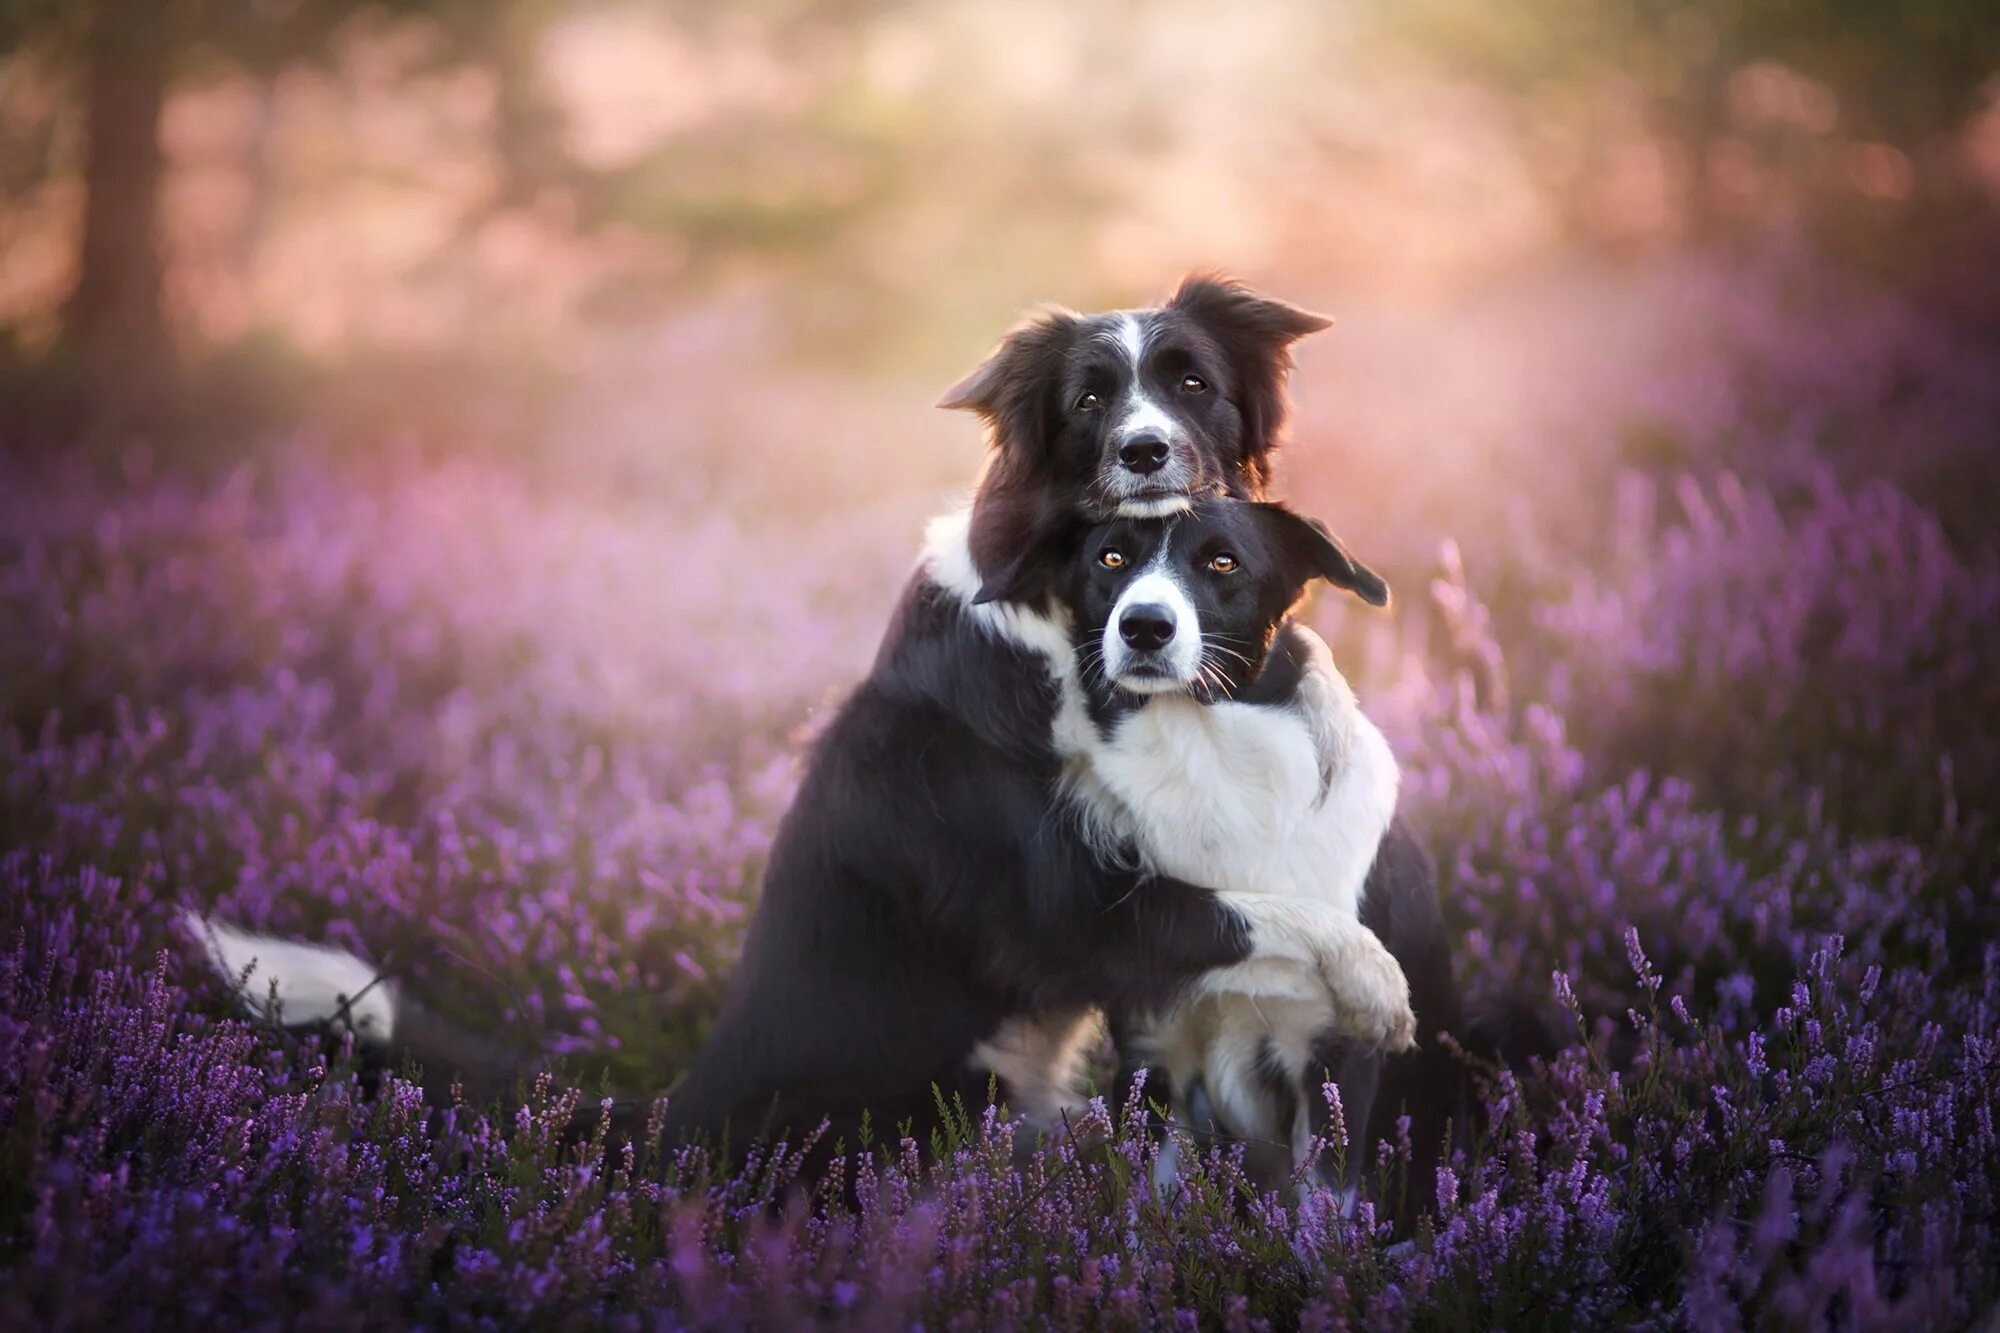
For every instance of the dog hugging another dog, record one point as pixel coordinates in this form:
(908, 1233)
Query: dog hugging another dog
(1096, 768)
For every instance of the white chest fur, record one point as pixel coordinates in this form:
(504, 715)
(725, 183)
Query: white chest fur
(1287, 799)
(1278, 808)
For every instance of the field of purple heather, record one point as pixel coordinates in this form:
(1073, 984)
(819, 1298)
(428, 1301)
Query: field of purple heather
(1694, 670)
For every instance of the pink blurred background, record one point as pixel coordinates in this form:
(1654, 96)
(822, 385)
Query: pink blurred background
(507, 423)
(728, 254)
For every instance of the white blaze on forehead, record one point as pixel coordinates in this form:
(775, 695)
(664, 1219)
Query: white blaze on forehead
(1145, 417)
(1131, 335)
(1181, 656)
(1142, 414)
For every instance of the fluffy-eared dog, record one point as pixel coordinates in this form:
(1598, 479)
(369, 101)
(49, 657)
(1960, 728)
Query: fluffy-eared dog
(1210, 735)
(931, 914)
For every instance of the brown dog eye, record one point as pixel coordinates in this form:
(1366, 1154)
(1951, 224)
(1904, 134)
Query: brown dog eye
(1193, 384)
(1222, 563)
(1112, 558)
(1090, 402)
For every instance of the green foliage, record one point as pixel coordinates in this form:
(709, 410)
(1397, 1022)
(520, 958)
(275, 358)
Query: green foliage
(1905, 71)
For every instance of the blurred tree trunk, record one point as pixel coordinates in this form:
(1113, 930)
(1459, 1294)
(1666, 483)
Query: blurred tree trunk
(261, 170)
(115, 319)
(1702, 130)
(528, 125)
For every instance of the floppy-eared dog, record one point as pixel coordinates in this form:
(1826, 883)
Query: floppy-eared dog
(1211, 736)
(930, 915)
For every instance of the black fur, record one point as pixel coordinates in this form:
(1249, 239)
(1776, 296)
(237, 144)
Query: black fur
(1275, 553)
(1056, 459)
(919, 893)
(924, 888)
(1426, 1084)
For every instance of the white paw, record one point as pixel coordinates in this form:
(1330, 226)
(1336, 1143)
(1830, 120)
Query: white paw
(1373, 999)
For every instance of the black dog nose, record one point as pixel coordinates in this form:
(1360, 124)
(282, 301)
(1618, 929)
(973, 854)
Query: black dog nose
(1146, 627)
(1143, 454)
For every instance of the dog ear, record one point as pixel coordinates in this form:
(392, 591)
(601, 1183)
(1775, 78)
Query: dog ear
(1257, 334)
(1224, 303)
(1022, 579)
(1012, 389)
(1315, 552)
(1030, 568)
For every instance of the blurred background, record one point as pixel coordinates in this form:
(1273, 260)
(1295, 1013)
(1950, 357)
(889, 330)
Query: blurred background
(450, 450)
(636, 228)
(453, 451)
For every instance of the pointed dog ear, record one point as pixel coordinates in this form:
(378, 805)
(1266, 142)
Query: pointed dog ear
(980, 388)
(1313, 552)
(1224, 303)
(1014, 387)
(1256, 334)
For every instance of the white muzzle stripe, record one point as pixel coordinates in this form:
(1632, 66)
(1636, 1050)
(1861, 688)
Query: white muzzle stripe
(1179, 658)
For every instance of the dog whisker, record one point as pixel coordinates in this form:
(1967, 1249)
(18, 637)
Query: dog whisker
(1244, 658)
(1223, 684)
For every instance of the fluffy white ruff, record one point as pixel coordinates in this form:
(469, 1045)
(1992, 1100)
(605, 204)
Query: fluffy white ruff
(313, 983)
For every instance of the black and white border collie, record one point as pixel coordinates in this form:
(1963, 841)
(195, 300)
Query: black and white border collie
(930, 916)
(1211, 735)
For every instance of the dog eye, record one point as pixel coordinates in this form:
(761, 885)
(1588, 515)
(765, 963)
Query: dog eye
(1193, 384)
(1222, 562)
(1111, 558)
(1090, 402)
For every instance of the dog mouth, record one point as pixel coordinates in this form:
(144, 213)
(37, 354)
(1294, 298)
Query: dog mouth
(1145, 679)
(1209, 680)
(1151, 672)
(1157, 500)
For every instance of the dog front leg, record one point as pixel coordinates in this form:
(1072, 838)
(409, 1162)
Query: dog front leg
(1307, 952)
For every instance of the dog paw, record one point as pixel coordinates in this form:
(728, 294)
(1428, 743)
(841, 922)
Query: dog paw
(1373, 996)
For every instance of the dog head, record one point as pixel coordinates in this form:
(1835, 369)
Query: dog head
(1133, 413)
(1189, 604)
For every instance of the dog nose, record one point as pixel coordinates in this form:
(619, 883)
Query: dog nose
(1143, 453)
(1146, 627)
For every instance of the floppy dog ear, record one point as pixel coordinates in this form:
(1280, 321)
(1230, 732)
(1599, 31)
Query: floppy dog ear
(1030, 569)
(1013, 388)
(1257, 334)
(1317, 553)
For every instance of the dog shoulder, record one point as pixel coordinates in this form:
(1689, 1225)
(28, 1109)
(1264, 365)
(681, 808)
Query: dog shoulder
(986, 668)
(947, 563)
